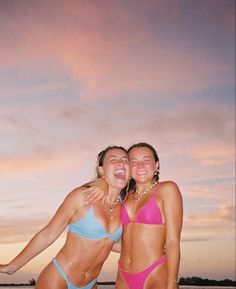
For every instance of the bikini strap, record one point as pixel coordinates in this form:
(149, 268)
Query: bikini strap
(59, 269)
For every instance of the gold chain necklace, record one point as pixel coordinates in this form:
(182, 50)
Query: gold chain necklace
(112, 206)
(140, 194)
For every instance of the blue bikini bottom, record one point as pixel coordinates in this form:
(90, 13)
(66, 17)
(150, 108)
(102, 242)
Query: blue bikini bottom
(69, 284)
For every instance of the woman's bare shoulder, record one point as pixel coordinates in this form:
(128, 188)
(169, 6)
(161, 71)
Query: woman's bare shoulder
(77, 195)
(168, 184)
(169, 189)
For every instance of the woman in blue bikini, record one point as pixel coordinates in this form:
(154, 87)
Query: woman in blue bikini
(92, 230)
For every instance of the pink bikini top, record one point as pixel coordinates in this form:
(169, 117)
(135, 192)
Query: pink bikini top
(150, 213)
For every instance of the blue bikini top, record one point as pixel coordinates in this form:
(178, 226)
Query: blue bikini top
(89, 227)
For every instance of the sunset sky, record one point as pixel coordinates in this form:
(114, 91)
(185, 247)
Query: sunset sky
(76, 76)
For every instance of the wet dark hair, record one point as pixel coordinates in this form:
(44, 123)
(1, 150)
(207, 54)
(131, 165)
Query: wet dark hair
(100, 160)
(132, 183)
(103, 153)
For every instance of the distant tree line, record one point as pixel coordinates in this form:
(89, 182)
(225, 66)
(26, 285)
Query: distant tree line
(197, 281)
(32, 282)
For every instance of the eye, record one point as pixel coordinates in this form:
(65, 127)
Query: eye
(113, 160)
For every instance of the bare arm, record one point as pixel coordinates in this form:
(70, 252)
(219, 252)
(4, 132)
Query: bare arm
(173, 210)
(45, 237)
(95, 191)
(116, 247)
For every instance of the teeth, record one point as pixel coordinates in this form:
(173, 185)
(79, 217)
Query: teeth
(119, 172)
(141, 173)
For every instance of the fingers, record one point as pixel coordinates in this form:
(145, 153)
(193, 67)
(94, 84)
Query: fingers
(93, 195)
(84, 189)
(92, 198)
(4, 269)
(104, 199)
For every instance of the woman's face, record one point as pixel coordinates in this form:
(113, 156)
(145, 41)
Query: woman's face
(115, 169)
(142, 164)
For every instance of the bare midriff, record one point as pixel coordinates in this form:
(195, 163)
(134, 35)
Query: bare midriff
(142, 245)
(84, 267)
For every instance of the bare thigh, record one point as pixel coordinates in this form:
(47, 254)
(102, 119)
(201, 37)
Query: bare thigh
(157, 279)
(120, 283)
(50, 278)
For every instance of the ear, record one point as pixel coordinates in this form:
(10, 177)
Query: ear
(157, 166)
(100, 171)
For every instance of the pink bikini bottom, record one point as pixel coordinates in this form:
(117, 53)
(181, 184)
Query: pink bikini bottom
(137, 280)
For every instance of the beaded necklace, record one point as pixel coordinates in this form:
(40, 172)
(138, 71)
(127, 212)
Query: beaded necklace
(140, 194)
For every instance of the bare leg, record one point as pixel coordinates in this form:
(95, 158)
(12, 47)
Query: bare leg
(120, 283)
(157, 278)
(50, 278)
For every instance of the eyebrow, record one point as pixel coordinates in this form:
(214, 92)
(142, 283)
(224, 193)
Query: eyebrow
(144, 157)
(115, 156)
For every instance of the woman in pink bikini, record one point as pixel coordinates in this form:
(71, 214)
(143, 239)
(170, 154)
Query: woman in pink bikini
(152, 221)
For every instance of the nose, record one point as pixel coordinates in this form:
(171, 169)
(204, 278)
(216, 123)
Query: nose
(140, 164)
(120, 162)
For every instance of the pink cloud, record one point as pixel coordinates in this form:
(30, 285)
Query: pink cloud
(10, 233)
(224, 216)
(33, 90)
(109, 70)
(108, 60)
(31, 163)
(213, 155)
(214, 192)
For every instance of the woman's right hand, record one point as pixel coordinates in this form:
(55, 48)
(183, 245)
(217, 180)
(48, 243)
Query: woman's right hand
(4, 268)
(95, 191)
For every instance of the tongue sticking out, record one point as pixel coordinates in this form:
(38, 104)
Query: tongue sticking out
(120, 175)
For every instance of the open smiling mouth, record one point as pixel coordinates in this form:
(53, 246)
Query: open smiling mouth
(141, 173)
(120, 174)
